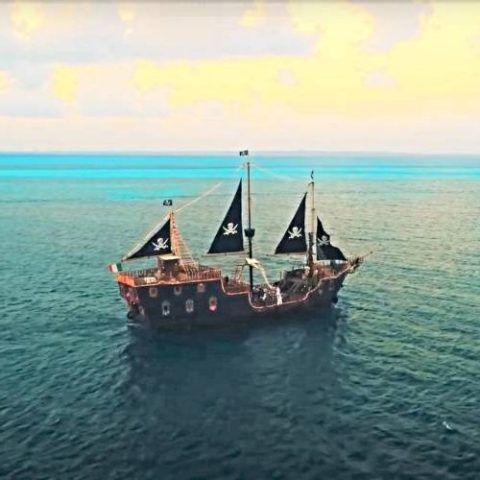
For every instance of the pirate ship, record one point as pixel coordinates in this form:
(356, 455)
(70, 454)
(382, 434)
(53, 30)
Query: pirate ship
(180, 291)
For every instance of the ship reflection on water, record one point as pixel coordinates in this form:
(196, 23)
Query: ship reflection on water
(229, 396)
(202, 360)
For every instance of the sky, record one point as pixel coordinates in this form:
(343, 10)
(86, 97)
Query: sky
(227, 75)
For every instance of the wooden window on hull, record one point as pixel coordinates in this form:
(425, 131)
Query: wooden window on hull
(212, 304)
(201, 288)
(177, 290)
(166, 308)
(189, 306)
(153, 292)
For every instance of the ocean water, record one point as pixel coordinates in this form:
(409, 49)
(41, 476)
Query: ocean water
(386, 385)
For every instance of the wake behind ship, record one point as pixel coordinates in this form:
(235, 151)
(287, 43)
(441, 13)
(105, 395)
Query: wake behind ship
(180, 292)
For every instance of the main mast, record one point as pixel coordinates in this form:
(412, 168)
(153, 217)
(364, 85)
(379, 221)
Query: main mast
(311, 234)
(249, 231)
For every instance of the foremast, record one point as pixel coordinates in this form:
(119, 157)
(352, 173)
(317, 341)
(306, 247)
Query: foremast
(179, 247)
(163, 240)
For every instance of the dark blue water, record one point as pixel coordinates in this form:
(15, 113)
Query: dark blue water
(362, 393)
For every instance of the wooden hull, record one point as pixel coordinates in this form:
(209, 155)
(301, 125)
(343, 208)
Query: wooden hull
(209, 303)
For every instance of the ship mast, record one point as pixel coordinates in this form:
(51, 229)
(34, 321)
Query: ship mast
(311, 233)
(249, 231)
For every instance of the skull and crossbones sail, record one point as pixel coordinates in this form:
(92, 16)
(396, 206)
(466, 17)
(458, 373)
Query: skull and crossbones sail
(160, 244)
(325, 250)
(293, 240)
(157, 243)
(230, 229)
(229, 237)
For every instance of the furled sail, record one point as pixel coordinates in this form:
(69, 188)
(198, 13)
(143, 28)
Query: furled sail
(157, 243)
(229, 237)
(325, 250)
(293, 240)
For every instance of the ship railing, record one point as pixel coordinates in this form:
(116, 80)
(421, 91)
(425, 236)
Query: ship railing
(151, 276)
(236, 286)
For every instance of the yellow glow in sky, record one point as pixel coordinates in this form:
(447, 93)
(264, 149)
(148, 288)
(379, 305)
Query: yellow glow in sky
(255, 16)
(438, 67)
(256, 67)
(4, 82)
(64, 83)
(27, 18)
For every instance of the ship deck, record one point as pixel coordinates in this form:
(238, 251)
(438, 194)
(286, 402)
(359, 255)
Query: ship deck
(293, 288)
(154, 276)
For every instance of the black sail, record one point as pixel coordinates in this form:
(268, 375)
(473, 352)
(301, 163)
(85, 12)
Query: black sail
(229, 237)
(325, 250)
(293, 240)
(158, 243)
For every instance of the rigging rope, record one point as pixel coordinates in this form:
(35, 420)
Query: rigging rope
(285, 178)
(205, 194)
(195, 200)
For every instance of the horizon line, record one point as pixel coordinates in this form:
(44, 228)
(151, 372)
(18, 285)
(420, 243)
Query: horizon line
(305, 152)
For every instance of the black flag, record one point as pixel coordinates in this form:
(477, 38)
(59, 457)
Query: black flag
(325, 250)
(243, 153)
(167, 203)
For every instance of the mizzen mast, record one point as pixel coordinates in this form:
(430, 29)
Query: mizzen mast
(311, 234)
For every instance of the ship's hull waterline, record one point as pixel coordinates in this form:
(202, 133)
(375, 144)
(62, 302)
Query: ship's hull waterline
(208, 303)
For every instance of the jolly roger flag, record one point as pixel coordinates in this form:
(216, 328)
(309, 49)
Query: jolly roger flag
(325, 250)
(229, 237)
(158, 243)
(167, 203)
(243, 153)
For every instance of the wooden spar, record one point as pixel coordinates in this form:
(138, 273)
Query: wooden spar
(250, 232)
(311, 234)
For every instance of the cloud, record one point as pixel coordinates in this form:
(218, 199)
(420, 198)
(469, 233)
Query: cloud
(127, 14)
(255, 16)
(27, 19)
(330, 78)
(281, 73)
(436, 68)
(394, 22)
(99, 90)
(439, 69)
(379, 79)
(208, 126)
(4, 82)
(87, 32)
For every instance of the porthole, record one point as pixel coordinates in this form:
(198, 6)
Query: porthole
(201, 288)
(212, 304)
(189, 306)
(153, 292)
(141, 311)
(166, 308)
(177, 290)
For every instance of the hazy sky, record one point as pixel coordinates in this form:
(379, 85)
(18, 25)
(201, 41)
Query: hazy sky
(224, 75)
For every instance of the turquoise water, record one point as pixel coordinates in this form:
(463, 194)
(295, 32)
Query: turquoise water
(362, 393)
